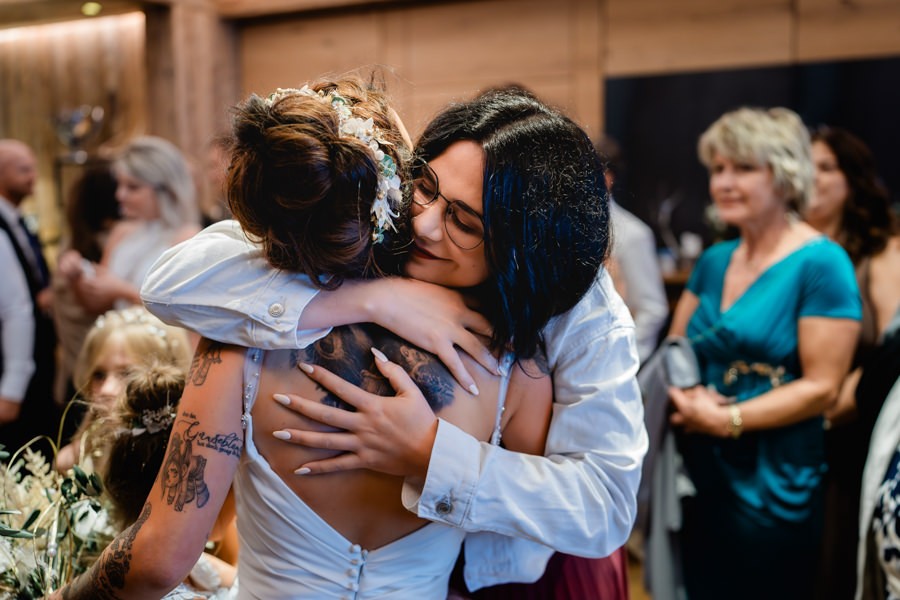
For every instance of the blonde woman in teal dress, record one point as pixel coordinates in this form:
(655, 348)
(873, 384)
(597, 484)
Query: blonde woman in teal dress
(773, 316)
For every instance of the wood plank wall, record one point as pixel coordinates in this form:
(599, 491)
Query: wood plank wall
(50, 68)
(563, 50)
(440, 51)
(202, 55)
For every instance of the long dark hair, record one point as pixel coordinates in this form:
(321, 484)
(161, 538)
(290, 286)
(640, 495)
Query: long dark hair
(546, 214)
(867, 221)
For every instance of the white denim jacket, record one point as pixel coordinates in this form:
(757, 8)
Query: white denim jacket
(578, 499)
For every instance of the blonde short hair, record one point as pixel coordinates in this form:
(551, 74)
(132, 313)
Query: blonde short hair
(162, 166)
(146, 338)
(775, 137)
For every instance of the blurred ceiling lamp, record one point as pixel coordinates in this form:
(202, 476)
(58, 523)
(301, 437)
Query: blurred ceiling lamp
(91, 9)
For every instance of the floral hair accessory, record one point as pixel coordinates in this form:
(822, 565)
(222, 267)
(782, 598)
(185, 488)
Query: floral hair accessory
(135, 315)
(387, 194)
(151, 421)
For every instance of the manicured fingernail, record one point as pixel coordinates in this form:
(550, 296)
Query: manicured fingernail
(281, 435)
(281, 399)
(302, 471)
(473, 389)
(306, 368)
(379, 355)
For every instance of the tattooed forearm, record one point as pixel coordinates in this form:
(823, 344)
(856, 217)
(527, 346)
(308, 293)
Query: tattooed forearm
(208, 353)
(108, 575)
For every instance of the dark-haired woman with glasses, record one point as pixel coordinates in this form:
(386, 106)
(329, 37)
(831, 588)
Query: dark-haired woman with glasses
(534, 182)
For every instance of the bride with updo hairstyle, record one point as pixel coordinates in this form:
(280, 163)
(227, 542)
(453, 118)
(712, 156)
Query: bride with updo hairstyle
(296, 159)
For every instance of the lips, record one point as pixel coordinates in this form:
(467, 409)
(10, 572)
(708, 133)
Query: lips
(417, 250)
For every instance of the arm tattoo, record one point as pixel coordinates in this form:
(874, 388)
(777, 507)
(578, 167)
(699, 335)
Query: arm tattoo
(184, 471)
(109, 573)
(209, 353)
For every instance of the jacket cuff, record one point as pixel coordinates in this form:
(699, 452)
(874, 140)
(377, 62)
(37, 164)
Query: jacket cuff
(452, 479)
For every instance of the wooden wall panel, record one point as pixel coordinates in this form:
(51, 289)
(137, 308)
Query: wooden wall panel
(49, 68)
(829, 30)
(439, 52)
(191, 62)
(704, 35)
(288, 52)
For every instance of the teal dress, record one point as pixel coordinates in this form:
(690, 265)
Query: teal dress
(753, 528)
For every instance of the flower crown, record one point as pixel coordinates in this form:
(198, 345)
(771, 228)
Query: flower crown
(134, 315)
(388, 193)
(150, 421)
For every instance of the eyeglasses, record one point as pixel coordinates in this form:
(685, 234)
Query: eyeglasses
(463, 225)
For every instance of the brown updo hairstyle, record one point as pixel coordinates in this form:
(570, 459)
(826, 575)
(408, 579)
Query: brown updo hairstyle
(304, 191)
(135, 452)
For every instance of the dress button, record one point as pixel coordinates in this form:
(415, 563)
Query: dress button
(444, 506)
(276, 309)
(355, 548)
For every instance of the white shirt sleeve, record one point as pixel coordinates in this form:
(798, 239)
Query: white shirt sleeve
(580, 497)
(16, 326)
(219, 284)
(634, 249)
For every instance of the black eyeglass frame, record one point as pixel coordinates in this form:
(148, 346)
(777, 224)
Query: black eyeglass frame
(421, 166)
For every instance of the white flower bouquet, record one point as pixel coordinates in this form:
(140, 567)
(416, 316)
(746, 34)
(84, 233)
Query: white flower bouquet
(52, 526)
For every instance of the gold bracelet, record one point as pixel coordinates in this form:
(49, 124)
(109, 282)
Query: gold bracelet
(735, 422)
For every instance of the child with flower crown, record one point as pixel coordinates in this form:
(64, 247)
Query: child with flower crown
(133, 441)
(119, 341)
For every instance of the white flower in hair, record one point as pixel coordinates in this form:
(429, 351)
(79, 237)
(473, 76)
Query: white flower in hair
(388, 194)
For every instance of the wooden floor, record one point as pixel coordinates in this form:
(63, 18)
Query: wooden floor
(636, 580)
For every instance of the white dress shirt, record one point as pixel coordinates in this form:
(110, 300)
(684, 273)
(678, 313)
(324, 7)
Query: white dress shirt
(634, 249)
(16, 314)
(578, 499)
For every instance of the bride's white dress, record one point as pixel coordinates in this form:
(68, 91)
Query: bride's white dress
(288, 552)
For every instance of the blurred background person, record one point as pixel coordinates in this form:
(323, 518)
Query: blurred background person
(119, 341)
(852, 207)
(773, 317)
(633, 265)
(878, 574)
(215, 206)
(27, 338)
(157, 199)
(91, 212)
(134, 439)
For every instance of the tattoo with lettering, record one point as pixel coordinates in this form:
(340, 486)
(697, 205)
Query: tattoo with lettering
(208, 353)
(230, 444)
(109, 573)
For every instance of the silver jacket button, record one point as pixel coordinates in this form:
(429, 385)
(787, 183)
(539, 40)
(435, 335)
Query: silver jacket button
(444, 506)
(276, 309)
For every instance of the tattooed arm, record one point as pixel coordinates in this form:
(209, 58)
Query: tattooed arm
(158, 551)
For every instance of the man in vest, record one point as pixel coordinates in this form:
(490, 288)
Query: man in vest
(27, 339)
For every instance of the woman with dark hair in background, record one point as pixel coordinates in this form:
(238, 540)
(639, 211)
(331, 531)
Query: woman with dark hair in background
(91, 213)
(851, 206)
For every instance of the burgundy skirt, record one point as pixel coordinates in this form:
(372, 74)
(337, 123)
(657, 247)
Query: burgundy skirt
(570, 578)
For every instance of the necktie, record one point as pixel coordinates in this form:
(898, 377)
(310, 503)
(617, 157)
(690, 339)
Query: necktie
(41, 272)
